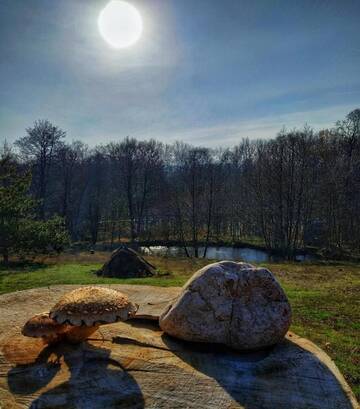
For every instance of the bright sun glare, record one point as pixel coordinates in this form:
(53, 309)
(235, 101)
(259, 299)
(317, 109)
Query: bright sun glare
(120, 24)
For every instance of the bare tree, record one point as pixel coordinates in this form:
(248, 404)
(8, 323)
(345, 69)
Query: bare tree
(193, 192)
(137, 166)
(301, 188)
(38, 147)
(69, 159)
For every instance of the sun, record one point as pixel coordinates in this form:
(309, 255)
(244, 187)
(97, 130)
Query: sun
(120, 24)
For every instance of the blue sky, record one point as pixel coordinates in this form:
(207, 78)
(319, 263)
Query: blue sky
(206, 72)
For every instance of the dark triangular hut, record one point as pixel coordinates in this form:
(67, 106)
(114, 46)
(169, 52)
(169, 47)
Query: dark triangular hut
(126, 263)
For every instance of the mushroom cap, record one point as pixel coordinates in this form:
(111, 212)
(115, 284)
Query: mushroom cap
(92, 306)
(41, 325)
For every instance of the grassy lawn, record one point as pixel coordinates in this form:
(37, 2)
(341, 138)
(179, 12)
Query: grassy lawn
(325, 298)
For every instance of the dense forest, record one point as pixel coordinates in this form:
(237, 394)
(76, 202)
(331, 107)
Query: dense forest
(297, 190)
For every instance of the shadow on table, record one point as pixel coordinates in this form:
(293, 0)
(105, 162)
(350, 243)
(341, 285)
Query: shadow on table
(76, 376)
(282, 377)
(85, 377)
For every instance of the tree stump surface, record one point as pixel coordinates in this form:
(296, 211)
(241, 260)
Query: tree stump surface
(135, 365)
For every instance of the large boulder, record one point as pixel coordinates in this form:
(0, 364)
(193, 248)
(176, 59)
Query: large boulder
(126, 263)
(229, 303)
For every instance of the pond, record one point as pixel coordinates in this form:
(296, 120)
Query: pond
(222, 253)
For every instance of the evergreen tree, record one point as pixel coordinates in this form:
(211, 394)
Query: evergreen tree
(19, 231)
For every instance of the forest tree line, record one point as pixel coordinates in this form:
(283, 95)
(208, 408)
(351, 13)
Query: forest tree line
(299, 189)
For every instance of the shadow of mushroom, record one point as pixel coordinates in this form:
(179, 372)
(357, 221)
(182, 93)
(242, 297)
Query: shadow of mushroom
(27, 378)
(82, 376)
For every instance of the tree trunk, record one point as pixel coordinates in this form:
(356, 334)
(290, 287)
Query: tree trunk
(6, 256)
(209, 219)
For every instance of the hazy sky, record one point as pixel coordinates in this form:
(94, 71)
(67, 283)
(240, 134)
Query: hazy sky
(205, 71)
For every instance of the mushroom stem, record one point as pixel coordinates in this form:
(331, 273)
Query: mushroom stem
(55, 338)
(51, 339)
(78, 334)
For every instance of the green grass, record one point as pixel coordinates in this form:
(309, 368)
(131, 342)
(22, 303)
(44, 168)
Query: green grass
(80, 270)
(69, 274)
(324, 297)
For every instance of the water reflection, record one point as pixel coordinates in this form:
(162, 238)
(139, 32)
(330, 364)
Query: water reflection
(220, 253)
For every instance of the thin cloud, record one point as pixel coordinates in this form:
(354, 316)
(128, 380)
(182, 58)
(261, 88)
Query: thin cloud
(228, 134)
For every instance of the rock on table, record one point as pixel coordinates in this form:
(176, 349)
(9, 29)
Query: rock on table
(230, 303)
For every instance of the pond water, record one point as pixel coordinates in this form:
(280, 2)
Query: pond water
(221, 253)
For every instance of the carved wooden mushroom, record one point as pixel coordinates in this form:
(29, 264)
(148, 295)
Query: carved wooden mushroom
(86, 308)
(42, 326)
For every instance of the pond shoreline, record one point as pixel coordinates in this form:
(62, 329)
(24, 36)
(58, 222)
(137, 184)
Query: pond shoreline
(176, 243)
(108, 246)
(221, 243)
(313, 253)
(245, 253)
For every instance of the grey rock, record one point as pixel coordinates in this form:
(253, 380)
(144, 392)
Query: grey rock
(229, 303)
